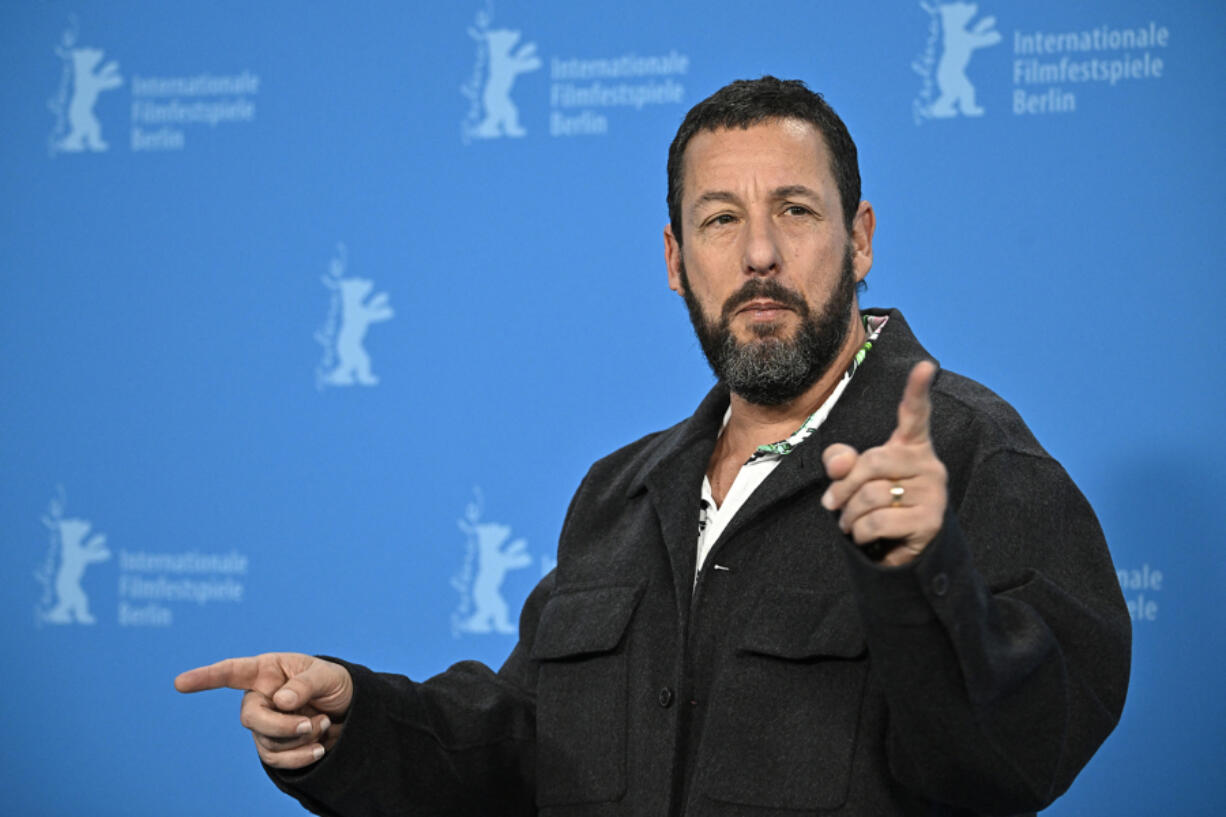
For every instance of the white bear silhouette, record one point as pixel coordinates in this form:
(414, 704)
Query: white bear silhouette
(75, 555)
(87, 83)
(501, 115)
(493, 563)
(959, 43)
(357, 314)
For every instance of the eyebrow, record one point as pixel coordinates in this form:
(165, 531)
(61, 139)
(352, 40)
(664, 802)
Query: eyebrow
(715, 196)
(792, 191)
(786, 192)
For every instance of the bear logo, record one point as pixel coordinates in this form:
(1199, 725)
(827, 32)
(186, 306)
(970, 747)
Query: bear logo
(499, 63)
(61, 578)
(87, 80)
(488, 559)
(346, 360)
(959, 42)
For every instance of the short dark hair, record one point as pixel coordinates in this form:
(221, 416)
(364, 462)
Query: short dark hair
(748, 102)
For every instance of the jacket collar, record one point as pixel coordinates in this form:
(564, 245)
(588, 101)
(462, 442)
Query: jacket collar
(681, 440)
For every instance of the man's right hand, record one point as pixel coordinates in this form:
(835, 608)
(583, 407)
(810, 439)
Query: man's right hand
(293, 706)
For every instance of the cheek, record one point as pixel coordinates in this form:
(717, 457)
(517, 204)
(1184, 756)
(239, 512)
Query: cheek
(709, 273)
(815, 239)
(814, 257)
(710, 302)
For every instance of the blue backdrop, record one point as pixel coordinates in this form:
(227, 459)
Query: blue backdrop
(315, 314)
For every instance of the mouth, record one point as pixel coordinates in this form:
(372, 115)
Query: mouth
(763, 309)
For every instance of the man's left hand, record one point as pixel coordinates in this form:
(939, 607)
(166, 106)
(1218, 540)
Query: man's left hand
(896, 491)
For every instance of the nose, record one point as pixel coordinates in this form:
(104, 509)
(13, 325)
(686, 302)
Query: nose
(761, 248)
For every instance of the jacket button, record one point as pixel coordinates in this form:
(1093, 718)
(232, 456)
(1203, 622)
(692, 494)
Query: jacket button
(940, 584)
(665, 698)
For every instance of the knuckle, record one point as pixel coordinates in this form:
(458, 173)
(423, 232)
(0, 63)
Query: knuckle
(248, 712)
(280, 759)
(847, 520)
(267, 756)
(851, 511)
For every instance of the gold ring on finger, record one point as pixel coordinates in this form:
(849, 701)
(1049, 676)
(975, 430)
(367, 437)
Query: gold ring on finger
(896, 495)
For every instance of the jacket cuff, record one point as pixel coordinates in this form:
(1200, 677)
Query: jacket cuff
(915, 593)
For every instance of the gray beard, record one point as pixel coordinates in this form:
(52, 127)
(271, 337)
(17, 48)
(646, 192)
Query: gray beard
(771, 371)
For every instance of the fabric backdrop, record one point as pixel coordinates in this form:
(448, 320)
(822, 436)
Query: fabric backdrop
(315, 313)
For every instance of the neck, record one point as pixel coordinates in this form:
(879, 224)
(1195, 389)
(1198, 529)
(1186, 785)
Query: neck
(751, 425)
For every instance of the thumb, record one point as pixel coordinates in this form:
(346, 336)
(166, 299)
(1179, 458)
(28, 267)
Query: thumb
(322, 684)
(839, 459)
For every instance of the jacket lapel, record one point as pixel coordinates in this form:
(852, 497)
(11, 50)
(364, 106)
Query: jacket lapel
(673, 479)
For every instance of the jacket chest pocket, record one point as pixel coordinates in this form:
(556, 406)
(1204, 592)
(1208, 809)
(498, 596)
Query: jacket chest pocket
(781, 728)
(581, 696)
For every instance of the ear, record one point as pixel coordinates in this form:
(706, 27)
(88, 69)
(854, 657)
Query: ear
(862, 229)
(672, 260)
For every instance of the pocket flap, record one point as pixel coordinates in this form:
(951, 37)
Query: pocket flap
(584, 621)
(799, 624)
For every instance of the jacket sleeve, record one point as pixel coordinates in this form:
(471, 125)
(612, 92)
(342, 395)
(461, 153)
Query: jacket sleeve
(461, 743)
(1003, 651)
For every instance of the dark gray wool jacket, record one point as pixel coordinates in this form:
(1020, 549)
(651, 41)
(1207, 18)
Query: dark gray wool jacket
(799, 678)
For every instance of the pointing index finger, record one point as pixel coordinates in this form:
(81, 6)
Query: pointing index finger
(915, 410)
(235, 673)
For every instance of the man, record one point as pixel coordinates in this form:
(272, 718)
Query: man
(847, 584)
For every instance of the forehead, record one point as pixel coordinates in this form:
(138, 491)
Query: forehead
(775, 153)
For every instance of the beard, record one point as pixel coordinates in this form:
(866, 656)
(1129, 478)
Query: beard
(769, 370)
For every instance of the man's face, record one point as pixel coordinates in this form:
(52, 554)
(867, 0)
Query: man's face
(768, 269)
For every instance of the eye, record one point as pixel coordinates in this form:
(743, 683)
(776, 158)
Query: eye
(797, 210)
(720, 220)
